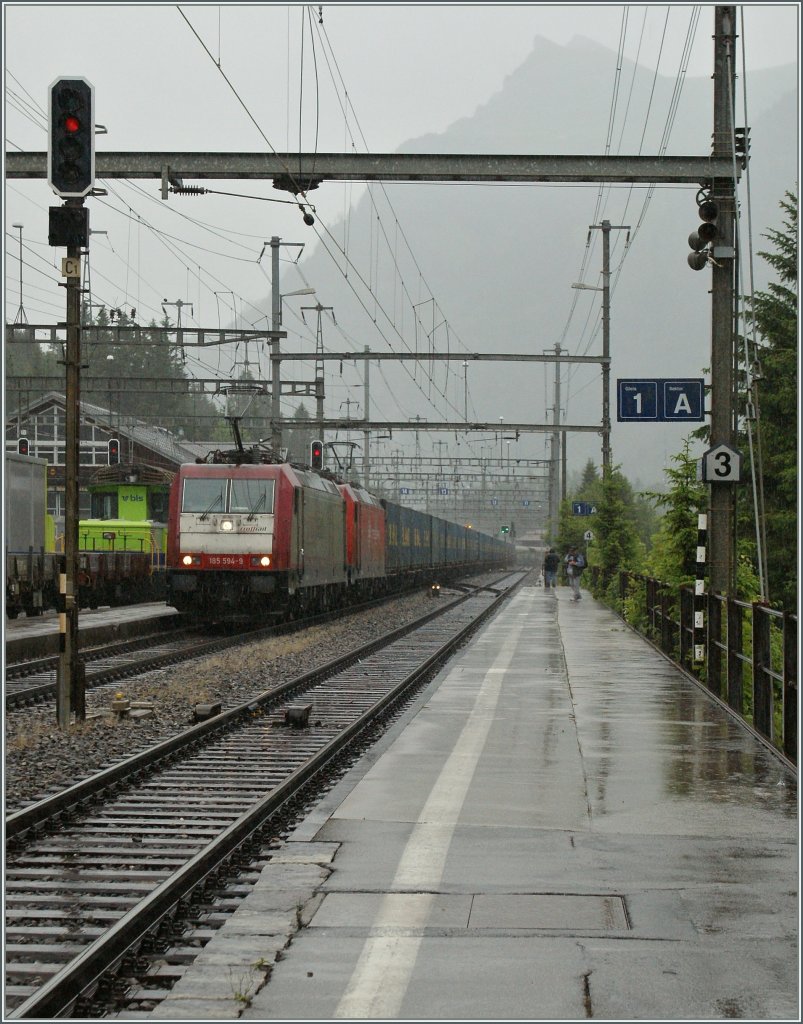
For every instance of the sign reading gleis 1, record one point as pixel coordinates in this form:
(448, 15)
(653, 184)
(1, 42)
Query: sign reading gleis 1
(660, 400)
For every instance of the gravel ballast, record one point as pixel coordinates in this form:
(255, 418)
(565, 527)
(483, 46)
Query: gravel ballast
(40, 759)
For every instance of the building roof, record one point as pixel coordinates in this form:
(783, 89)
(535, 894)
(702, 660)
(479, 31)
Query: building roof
(157, 439)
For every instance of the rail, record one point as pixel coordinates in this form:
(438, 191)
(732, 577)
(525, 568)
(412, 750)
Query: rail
(750, 663)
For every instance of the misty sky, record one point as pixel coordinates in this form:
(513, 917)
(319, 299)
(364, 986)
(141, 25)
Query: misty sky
(407, 70)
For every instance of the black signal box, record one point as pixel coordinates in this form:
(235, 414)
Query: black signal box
(68, 225)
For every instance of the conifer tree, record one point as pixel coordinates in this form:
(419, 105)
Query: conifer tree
(774, 314)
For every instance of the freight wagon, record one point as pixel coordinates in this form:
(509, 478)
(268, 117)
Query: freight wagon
(31, 565)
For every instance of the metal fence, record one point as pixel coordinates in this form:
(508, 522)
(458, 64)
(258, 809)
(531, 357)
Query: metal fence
(750, 649)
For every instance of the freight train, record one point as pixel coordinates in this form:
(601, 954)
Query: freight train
(121, 546)
(274, 540)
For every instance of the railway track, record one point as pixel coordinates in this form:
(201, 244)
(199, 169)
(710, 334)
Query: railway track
(102, 875)
(34, 681)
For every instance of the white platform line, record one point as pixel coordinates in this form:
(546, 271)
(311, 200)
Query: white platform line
(385, 966)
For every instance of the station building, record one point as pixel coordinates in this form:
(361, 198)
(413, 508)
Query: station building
(43, 424)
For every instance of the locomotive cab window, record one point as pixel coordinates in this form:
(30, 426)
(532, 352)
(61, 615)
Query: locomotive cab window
(159, 506)
(104, 506)
(204, 496)
(252, 496)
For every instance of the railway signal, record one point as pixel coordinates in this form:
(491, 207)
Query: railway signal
(316, 454)
(71, 138)
(114, 451)
(705, 235)
(22, 445)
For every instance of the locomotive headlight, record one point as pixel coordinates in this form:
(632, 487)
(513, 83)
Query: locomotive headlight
(263, 561)
(226, 525)
(187, 560)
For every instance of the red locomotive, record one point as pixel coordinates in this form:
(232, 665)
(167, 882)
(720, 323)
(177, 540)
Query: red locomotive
(275, 539)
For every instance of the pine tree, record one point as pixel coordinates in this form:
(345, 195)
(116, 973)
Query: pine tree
(297, 440)
(673, 557)
(774, 314)
(28, 360)
(617, 541)
(190, 415)
(589, 480)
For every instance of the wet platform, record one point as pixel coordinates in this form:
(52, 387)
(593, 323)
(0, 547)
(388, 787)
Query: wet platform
(38, 636)
(562, 827)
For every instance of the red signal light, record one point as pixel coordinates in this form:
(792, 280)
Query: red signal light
(71, 138)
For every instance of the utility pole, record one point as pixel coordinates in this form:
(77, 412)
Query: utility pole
(440, 445)
(89, 304)
(554, 466)
(721, 533)
(563, 461)
(275, 361)
(366, 456)
(179, 304)
(70, 678)
(22, 316)
(319, 379)
(606, 227)
(71, 175)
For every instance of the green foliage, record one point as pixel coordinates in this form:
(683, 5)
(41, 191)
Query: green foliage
(297, 439)
(28, 360)
(194, 416)
(635, 608)
(590, 482)
(622, 525)
(773, 313)
(673, 557)
(617, 541)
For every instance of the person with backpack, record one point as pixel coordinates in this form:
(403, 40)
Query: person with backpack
(550, 569)
(575, 563)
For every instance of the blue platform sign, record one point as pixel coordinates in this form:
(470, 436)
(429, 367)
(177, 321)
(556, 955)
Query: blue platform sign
(443, 490)
(661, 400)
(405, 490)
(584, 508)
(683, 400)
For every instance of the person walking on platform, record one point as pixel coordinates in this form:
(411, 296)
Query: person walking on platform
(575, 563)
(550, 567)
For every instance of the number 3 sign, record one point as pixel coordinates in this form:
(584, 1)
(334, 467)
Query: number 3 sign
(723, 464)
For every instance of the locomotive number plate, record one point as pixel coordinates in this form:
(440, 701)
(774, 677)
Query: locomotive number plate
(227, 560)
